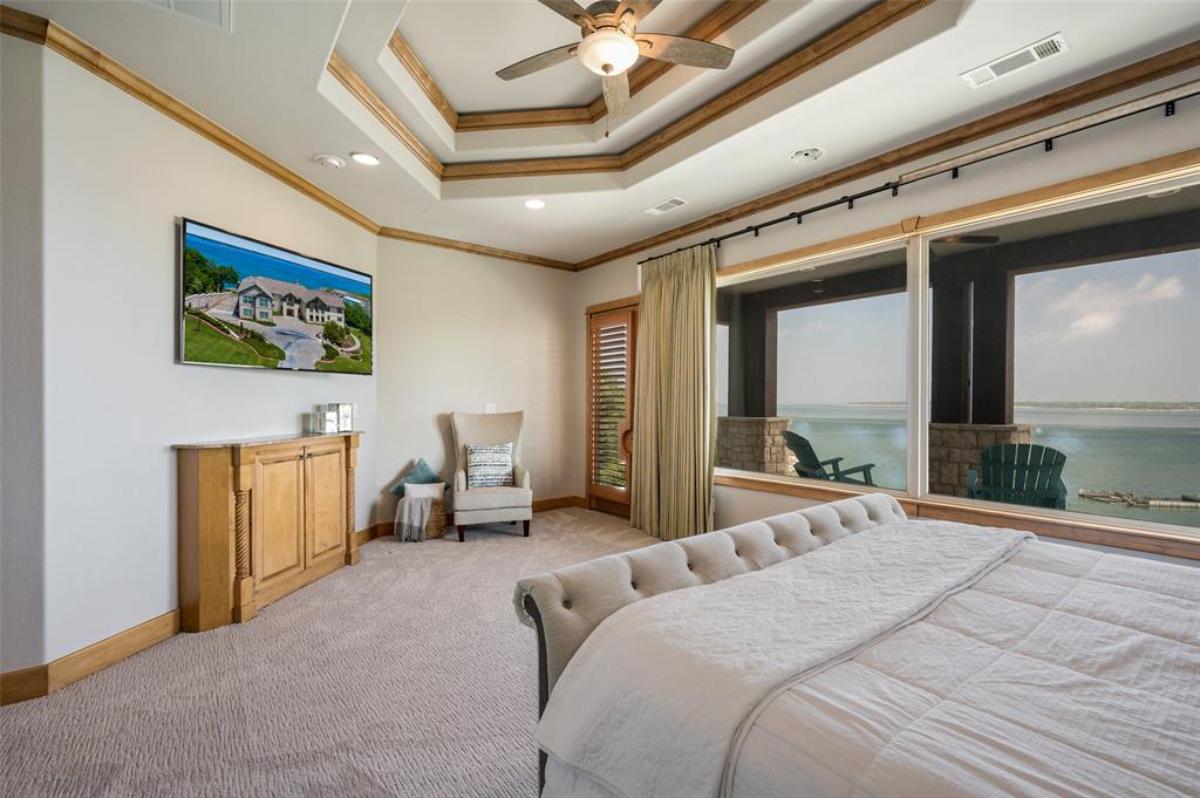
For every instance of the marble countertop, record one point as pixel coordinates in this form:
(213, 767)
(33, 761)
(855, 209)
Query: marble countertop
(283, 437)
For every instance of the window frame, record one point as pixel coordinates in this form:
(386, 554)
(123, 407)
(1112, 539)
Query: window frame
(915, 235)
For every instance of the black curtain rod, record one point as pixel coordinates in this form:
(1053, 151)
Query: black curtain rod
(894, 186)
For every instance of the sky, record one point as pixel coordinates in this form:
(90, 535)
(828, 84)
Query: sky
(1126, 330)
(249, 257)
(1121, 331)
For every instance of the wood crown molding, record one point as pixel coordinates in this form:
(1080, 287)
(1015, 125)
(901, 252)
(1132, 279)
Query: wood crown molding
(41, 31)
(358, 88)
(934, 507)
(721, 19)
(1184, 57)
(858, 29)
(477, 249)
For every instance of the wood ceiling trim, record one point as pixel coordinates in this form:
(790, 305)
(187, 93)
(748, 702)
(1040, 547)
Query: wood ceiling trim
(854, 31)
(535, 117)
(409, 60)
(358, 88)
(38, 30)
(721, 19)
(73, 48)
(858, 29)
(475, 249)
(1184, 57)
(529, 167)
(23, 26)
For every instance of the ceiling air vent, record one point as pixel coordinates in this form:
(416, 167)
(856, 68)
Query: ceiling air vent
(217, 13)
(666, 206)
(1014, 62)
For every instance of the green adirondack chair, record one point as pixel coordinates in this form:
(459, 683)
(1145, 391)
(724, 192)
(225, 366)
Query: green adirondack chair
(809, 465)
(1020, 473)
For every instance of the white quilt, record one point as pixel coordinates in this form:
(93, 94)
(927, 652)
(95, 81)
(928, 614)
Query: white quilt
(918, 659)
(652, 702)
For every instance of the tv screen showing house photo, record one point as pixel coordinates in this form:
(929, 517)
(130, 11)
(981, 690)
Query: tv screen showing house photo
(250, 304)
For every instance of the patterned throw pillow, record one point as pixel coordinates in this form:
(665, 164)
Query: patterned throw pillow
(489, 466)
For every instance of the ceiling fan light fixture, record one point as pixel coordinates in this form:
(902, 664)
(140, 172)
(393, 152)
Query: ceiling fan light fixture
(608, 52)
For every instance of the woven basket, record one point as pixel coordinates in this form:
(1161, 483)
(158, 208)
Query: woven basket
(435, 527)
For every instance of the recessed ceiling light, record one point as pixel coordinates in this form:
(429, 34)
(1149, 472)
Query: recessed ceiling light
(329, 161)
(1163, 192)
(364, 158)
(535, 204)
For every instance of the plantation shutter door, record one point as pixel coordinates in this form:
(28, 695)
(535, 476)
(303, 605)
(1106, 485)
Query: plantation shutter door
(610, 407)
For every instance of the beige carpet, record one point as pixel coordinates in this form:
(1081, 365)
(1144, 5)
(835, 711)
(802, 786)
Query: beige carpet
(407, 675)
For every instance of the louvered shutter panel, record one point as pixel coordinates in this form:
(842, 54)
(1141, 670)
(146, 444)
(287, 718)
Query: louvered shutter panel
(610, 345)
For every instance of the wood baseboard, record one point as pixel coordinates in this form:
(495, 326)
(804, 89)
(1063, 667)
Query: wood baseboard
(544, 505)
(41, 680)
(24, 684)
(377, 530)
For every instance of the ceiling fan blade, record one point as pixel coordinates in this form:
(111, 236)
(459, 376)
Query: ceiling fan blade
(682, 50)
(616, 95)
(569, 9)
(538, 62)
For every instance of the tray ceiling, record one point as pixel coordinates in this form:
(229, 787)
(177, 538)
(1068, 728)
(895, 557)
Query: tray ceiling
(268, 82)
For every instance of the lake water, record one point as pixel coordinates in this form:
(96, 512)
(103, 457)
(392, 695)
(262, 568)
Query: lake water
(1147, 452)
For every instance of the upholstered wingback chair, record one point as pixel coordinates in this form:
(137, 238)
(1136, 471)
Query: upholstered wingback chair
(490, 505)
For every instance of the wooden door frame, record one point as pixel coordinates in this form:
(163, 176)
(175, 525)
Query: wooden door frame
(631, 304)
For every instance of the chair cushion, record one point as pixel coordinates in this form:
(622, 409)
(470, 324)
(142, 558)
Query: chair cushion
(492, 498)
(489, 465)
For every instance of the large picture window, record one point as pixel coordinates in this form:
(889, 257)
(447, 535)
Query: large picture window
(1047, 364)
(1066, 361)
(812, 372)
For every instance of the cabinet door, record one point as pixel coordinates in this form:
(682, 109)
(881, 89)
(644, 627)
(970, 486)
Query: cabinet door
(326, 487)
(279, 515)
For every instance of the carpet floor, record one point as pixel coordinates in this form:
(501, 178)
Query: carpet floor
(407, 675)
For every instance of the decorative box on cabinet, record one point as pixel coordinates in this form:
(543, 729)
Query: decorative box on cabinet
(259, 519)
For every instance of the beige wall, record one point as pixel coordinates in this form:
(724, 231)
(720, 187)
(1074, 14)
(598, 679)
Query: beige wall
(1121, 143)
(453, 331)
(115, 175)
(456, 331)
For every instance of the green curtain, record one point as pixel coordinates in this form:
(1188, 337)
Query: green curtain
(674, 423)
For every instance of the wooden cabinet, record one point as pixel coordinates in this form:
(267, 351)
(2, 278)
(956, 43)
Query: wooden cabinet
(259, 519)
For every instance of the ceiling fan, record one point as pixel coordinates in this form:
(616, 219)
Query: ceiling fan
(611, 44)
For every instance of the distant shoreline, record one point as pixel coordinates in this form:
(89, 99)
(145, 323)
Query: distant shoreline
(1188, 407)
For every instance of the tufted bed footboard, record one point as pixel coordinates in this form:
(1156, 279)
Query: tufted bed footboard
(565, 606)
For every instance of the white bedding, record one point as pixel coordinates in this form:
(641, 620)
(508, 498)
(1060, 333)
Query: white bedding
(916, 659)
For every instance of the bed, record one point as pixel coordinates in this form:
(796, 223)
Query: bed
(846, 650)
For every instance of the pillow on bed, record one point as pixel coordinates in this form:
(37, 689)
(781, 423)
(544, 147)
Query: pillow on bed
(489, 466)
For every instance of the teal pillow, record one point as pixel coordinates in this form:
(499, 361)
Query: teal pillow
(419, 474)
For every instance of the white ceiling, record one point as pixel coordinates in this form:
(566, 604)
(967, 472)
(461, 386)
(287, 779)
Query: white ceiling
(472, 26)
(266, 82)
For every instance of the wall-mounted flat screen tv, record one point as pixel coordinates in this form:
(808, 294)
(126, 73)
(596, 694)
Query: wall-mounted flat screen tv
(250, 304)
